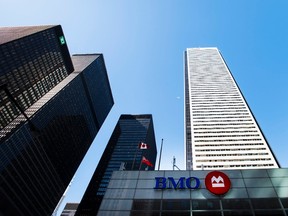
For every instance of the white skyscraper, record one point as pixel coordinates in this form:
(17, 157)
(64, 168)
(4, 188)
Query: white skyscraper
(220, 130)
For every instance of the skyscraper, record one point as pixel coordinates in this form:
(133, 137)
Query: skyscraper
(52, 107)
(132, 146)
(220, 130)
(33, 60)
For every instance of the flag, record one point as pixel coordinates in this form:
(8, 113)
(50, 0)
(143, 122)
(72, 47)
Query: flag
(143, 145)
(146, 161)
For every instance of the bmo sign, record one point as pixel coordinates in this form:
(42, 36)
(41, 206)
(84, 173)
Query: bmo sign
(216, 182)
(182, 183)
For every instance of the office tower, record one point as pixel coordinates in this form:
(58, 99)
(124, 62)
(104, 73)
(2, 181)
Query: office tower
(132, 146)
(33, 60)
(51, 114)
(220, 130)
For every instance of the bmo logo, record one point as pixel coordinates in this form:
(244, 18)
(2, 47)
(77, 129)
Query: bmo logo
(182, 183)
(217, 182)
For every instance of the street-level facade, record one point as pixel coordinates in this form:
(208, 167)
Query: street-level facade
(220, 129)
(193, 193)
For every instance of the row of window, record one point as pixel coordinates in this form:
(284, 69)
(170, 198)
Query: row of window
(233, 144)
(220, 93)
(223, 124)
(221, 128)
(210, 87)
(228, 140)
(209, 204)
(224, 120)
(238, 135)
(221, 114)
(233, 166)
(236, 149)
(227, 155)
(211, 84)
(216, 95)
(242, 107)
(234, 160)
(216, 99)
(239, 131)
(216, 106)
(214, 103)
(207, 89)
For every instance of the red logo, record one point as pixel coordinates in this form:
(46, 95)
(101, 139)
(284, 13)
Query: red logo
(217, 182)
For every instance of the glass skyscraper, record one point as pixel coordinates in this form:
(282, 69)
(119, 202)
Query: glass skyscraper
(52, 106)
(220, 130)
(32, 61)
(122, 152)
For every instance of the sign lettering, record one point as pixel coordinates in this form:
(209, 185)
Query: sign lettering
(182, 183)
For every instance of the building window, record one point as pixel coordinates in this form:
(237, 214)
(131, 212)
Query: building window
(205, 204)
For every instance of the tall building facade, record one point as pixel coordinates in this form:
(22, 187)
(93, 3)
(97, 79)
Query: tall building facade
(52, 106)
(33, 60)
(220, 129)
(123, 152)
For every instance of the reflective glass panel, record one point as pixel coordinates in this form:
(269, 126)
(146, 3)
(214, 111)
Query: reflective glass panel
(270, 213)
(176, 204)
(175, 213)
(270, 203)
(236, 204)
(146, 205)
(284, 202)
(240, 213)
(206, 213)
(205, 204)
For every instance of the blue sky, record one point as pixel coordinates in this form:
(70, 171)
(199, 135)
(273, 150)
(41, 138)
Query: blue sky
(143, 44)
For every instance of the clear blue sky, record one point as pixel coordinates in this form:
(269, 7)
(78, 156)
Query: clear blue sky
(143, 43)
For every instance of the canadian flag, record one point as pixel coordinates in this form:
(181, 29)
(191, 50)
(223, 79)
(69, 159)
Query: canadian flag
(146, 161)
(143, 145)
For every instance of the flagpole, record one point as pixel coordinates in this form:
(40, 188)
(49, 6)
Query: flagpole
(141, 163)
(136, 153)
(160, 154)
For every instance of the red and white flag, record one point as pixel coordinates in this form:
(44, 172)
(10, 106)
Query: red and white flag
(143, 145)
(146, 161)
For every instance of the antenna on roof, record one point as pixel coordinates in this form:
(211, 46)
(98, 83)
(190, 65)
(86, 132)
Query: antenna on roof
(174, 163)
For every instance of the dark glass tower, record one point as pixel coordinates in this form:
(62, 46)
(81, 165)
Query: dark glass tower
(32, 61)
(122, 152)
(54, 112)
